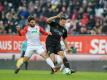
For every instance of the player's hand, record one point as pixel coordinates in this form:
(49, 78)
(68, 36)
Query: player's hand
(68, 51)
(18, 28)
(49, 33)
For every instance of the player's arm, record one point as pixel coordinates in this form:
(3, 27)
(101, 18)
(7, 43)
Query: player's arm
(49, 20)
(44, 32)
(23, 31)
(65, 41)
(67, 48)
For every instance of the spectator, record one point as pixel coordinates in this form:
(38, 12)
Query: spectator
(1, 27)
(1, 9)
(91, 23)
(87, 12)
(99, 11)
(83, 30)
(97, 28)
(22, 21)
(71, 25)
(84, 20)
(104, 29)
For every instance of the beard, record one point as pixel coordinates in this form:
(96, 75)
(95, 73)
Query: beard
(32, 25)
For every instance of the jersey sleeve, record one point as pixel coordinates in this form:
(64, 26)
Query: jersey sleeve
(23, 31)
(43, 31)
(64, 34)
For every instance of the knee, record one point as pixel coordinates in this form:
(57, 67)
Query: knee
(44, 55)
(59, 59)
(61, 53)
(26, 59)
(52, 56)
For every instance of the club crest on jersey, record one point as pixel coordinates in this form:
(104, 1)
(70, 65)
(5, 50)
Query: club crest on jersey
(35, 31)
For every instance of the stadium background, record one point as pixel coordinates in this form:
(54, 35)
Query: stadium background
(86, 25)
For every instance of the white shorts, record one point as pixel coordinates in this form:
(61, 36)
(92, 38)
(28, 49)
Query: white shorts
(34, 50)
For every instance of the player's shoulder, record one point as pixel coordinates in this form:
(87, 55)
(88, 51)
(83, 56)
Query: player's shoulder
(26, 26)
(53, 23)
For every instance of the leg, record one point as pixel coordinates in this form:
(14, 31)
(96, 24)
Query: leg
(26, 65)
(65, 61)
(62, 55)
(50, 62)
(59, 61)
(42, 52)
(26, 57)
(20, 63)
(52, 56)
(47, 59)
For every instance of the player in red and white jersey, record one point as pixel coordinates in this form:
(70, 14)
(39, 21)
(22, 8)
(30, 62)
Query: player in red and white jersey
(32, 32)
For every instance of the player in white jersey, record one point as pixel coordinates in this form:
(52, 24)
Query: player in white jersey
(32, 32)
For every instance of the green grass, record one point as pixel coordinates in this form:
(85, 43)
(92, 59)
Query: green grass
(44, 75)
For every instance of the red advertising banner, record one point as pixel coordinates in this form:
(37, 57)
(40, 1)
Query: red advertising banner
(10, 43)
(89, 44)
(84, 44)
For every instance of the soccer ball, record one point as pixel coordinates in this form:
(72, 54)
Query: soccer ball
(66, 71)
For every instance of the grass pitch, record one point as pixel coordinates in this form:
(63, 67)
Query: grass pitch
(45, 75)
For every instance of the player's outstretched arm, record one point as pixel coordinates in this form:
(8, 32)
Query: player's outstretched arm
(23, 31)
(44, 32)
(18, 29)
(54, 17)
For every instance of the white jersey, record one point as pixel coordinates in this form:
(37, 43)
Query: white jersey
(32, 35)
(33, 40)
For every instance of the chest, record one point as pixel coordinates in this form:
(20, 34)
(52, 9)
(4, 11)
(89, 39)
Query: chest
(34, 30)
(57, 31)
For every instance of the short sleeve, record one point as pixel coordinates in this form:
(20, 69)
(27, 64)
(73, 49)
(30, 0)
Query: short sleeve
(24, 31)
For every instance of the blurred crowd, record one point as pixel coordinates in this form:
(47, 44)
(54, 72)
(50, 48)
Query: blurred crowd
(84, 16)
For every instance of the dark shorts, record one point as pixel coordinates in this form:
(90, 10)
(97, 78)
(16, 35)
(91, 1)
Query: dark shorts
(53, 48)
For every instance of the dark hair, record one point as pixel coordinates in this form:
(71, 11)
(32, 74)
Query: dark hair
(63, 17)
(30, 18)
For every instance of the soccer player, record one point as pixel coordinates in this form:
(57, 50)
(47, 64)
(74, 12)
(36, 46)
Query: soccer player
(71, 50)
(58, 31)
(32, 32)
(22, 50)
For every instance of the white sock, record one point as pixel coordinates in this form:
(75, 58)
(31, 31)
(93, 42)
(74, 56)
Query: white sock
(50, 63)
(58, 59)
(62, 67)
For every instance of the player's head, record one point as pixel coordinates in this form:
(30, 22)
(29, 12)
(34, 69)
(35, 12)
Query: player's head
(31, 21)
(62, 20)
